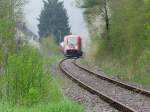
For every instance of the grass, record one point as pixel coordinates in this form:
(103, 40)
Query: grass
(84, 62)
(26, 81)
(132, 73)
(129, 67)
(63, 106)
(32, 86)
(57, 103)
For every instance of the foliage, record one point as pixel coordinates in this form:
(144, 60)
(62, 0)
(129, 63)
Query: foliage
(9, 15)
(53, 20)
(12, 9)
(50, 52)
(147, 14)
(100, 8)
(128, 28)
(23, 79)
(25, 85)
(6, 30)
(49, 47)
(126, 53)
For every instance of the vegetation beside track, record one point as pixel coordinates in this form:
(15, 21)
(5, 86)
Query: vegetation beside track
(25, 84)
(32, 87)
(121, 45)
(52, 56)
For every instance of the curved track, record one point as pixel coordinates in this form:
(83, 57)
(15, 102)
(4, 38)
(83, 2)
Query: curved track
(124, 85)
(93, 83)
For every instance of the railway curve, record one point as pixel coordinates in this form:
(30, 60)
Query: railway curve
(126, 98)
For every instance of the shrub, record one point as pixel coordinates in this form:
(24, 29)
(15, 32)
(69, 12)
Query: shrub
(24, 80)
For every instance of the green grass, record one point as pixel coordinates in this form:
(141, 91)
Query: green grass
(82, 61)
(135, 73)
(63, 106)
(57, 102)
(26, 81)
(125, 73)
(30, 86)
(131, 73)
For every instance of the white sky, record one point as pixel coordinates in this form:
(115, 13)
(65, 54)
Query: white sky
(76, 20)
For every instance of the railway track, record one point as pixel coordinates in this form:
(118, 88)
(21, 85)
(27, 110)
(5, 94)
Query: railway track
(121, 96)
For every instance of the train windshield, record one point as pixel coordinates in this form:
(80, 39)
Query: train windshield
(72, 41)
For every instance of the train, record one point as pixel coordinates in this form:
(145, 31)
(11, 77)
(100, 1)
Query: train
(72, 46)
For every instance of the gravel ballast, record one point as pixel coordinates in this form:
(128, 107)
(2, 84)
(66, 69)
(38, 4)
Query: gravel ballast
(92, 103)
(134, 100)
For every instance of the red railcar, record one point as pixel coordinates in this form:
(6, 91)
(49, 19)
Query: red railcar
(72, 46)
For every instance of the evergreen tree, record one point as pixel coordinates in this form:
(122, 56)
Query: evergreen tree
(53, 20)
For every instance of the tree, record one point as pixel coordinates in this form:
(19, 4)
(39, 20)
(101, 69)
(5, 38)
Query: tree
(9, 15)
(128, 26)
(102, 6)
(53, 20)
(147, 14)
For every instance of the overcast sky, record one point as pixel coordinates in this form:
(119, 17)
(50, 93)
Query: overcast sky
(76, 20)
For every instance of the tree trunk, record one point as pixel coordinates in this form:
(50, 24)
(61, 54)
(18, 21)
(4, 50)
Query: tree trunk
(106, 16)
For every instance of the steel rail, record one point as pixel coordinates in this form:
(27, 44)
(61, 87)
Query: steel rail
(114, 103)
(121, 84)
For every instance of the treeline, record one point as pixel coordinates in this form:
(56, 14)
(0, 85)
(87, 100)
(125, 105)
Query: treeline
(123, 35)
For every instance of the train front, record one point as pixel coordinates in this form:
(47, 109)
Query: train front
(73, 46)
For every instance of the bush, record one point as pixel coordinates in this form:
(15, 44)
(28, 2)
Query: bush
(24, 79)
(27, 86)
(7, 28)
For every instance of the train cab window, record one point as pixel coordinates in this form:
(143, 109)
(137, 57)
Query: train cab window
(72, 41)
